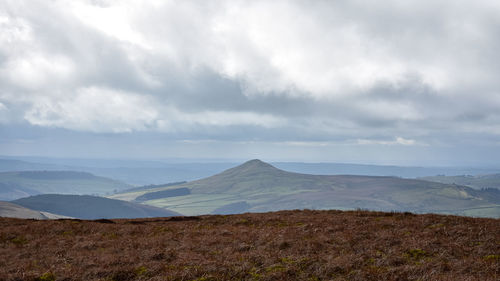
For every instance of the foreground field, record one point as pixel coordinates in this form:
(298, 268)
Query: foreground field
(287, 245)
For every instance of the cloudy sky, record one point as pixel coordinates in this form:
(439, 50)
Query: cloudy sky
(390, 82)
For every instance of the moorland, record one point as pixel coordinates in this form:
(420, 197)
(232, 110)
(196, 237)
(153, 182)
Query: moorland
(285, 245)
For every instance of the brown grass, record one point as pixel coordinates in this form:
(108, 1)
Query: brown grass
(287, 245)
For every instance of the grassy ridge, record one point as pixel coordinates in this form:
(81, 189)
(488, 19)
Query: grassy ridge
(286, 245)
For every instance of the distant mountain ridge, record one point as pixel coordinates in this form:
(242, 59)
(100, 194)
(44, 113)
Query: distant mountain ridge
(477, 182)
(56, 175)
(14, 185)
(256, 186)
(130, 172)
(139, 172)
(380, 170)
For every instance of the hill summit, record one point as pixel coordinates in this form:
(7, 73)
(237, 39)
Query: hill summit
(251, 177)
(256, 186)
(255, 164)
(251, 168)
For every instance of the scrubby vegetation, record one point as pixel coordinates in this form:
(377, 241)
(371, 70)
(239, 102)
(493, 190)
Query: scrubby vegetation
(286, 245)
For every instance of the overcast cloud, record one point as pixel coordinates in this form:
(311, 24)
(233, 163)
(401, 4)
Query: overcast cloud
(352, 81)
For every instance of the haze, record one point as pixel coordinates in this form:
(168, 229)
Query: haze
(381, 82)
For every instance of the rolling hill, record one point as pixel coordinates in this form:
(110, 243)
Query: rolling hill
(91, 207)
(14, 185)
(256, 186)
(11, 210)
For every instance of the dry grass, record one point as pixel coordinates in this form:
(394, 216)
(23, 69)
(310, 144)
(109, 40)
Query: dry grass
(287, 245)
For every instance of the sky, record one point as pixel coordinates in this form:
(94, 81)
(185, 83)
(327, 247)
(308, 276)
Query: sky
(379, 82)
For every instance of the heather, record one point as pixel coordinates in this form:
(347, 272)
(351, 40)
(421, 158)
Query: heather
(285, 245)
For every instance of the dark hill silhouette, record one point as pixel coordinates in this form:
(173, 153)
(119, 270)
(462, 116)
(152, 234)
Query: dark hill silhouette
(163, 194)
(91, 207)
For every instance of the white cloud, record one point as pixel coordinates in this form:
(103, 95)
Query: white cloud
(324, 50)
(106, 110)
(96, 110)
(277, 47)
(34, 71)
(226, 118)
(112, 20)
(4, 113)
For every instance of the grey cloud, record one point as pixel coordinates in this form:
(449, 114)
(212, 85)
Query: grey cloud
(236, 71)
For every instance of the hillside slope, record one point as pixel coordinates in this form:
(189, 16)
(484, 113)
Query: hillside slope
(262, 187)
(91, 207)
(14, 185)
(11, 210)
